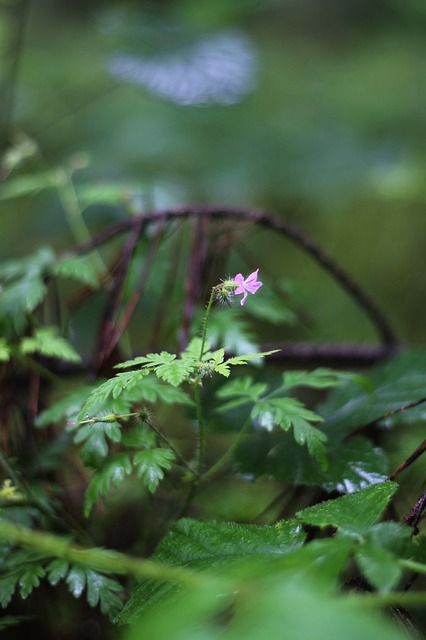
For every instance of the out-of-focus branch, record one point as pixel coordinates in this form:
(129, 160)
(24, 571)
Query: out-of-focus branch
(275, 223)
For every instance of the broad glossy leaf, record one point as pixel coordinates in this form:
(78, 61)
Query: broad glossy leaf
(352, 465)
(391, 386)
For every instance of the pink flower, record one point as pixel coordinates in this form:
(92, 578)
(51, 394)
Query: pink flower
(251, 284)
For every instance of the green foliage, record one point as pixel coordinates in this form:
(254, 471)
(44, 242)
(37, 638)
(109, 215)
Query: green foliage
(354, 513)
(25, 569)
(267, 559)
(208, 578)
(112, 473)
(150, 465)
(131, 387)
(212, 545)
(46, 342)
(390, 386)
(80, 268)
(352, 465)
(270, 411)
(177, 370)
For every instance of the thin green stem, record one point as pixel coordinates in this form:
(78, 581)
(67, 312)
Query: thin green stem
(197, 388)
(206, 321)
(224, 459)
(102, 559)
(170, 445)
(199, 409)
(402, 598)
(71, 205)
(413, 566)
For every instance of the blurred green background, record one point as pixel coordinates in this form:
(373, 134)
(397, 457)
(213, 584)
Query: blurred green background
(314, 109)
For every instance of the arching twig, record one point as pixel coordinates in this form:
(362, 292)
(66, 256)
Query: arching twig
(268, 221)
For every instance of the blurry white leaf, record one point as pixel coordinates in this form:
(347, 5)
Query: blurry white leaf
(220, 69)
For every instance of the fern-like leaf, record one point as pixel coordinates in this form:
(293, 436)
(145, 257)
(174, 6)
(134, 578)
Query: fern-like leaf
(46, 342)
(151, 464)
(112, 473)
(287, 413)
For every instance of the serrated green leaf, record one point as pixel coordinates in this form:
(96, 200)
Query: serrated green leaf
(318, 379)
(23, 296)
(46, 342)
(175, 372)
(354, 513)
(8, 585)
(30, 579)
(95, 447)
(110, 602)
(240, 391)
(112, 473)
(223, 369)
(57, 570)
(130, 388)
(280, 608)
(243, 359)
(314, 439)
(287, 413)
(123, 382)
(30, 266)
(135, 362)
(151, 464)
(100, 588)
(80, 268)
(76, 581)
(282, 412)
(139, 437)
(213, 545)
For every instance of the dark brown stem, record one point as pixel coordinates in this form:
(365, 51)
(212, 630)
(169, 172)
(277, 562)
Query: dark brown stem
(413, 516)
(276, 223)
(416, 454)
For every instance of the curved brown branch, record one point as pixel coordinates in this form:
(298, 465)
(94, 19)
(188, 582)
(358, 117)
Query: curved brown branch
(268, 221)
